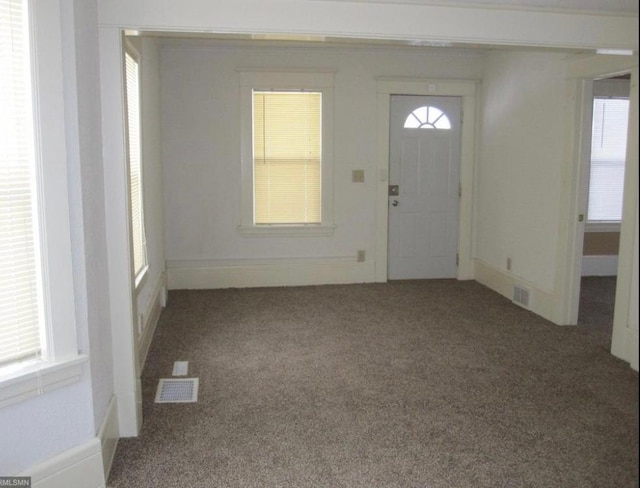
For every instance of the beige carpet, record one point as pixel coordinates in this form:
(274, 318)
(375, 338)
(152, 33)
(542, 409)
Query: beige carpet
(425, 384)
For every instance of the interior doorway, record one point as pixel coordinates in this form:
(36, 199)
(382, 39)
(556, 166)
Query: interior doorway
(605, 118)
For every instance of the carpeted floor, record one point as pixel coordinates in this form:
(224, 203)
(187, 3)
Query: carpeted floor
(597, 300)
(415, 384)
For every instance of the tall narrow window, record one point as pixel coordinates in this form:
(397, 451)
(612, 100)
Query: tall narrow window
(132, 75)
(287, 155)
(20, 290)
(608, 155)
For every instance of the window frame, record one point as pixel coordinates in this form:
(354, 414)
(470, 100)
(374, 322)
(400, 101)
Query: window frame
(604, 88)
(139, 277)
(60, 363)
(317, 81)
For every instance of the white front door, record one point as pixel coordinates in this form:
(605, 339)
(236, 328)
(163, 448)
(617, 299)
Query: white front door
(424, 165)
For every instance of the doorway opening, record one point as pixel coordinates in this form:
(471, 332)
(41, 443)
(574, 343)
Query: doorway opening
(605, 119)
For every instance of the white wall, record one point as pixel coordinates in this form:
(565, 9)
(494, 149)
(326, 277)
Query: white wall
(519, 172)
(201, 144)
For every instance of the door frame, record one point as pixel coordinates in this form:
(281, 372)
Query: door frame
(428, 87)
(624, 341)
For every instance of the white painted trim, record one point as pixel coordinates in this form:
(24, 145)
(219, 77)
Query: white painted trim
(118, 229)
(286, 231)
(599, 265)
(151, 317)
(541, 301)
(411, 22)
(51, 159)
(79, 467)
(108, 435)
(466, 89)
(39, 377)
(625, 314)
(631, 348)
(210, 274)
(322, 81)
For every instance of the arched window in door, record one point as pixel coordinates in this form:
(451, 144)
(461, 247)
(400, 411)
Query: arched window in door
(427, 117)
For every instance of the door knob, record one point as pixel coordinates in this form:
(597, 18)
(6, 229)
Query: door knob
(395, 203)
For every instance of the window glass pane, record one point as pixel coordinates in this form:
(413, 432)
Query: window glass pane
(427, 117)
(135, 163)
(608, 154)
(20, 315)
(287, 154)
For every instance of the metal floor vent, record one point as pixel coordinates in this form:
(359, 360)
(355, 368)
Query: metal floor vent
(173, 390)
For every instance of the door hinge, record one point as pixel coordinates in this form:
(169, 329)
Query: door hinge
(459, 190)
(457, 259)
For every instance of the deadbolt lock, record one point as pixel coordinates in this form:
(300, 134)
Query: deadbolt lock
(394, 190)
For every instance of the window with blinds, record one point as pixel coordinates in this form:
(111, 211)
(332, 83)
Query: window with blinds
(20, 290)
(132, 76)
(608, 156)
(287, 157)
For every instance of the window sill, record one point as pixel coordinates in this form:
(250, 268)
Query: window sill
(36, 377)
(140, 278)
(286, 230)
(602, 227)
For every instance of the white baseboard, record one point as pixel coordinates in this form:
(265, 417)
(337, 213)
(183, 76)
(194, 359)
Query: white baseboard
(151, 317)
(108, 435)
(599, 265)
(79, 467)
(207, 274)
(541, 301)
(631, 348)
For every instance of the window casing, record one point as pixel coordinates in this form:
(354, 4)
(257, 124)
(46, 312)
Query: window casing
(58, 361)
(134, 163)
(267, 154)
(608, 157)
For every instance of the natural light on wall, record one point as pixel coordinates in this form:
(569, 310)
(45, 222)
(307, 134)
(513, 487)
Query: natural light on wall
(608, 155)
(287, 142)
(20, 288)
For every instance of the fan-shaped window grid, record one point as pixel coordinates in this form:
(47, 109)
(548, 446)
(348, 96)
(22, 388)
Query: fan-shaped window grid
(427, 117)
(287, 157)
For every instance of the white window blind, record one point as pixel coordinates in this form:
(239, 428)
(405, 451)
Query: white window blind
(135, 163)
(20, 311)
(287, 154)
(608, 155)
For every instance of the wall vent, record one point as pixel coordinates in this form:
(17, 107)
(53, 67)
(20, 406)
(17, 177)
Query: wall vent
(521, 296)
